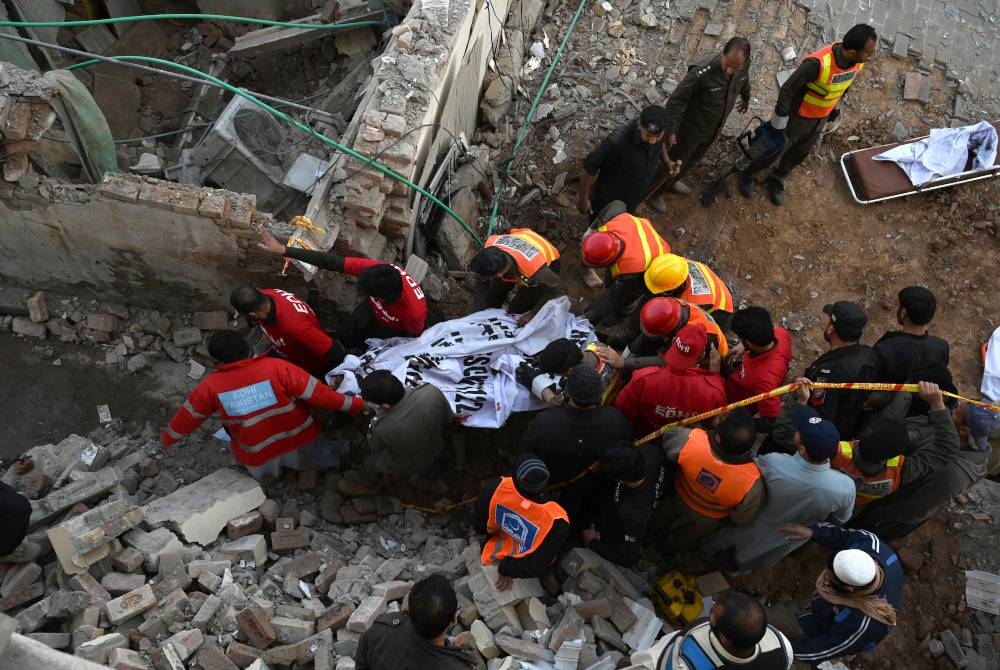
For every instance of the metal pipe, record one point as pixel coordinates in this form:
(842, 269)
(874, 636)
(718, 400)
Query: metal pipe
(146, 68)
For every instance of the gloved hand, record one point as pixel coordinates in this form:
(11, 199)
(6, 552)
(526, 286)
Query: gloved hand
(778, 122)
(525, 374)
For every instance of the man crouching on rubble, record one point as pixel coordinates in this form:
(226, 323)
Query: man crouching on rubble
(264, 405)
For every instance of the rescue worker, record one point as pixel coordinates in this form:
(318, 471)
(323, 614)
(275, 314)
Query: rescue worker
(660, 319)
(807, 100)
(264, 406)
(716, 478)
(682, 388)
(758, 364)
(573, 436)
(634, 480)
(626, 245)
(900, 352)
(736, 634)
(291, 327)
(418, 639)
(699, 106)
(673, 276)
(760, 545)
(521, 258)
(407, 433)
(893, 517)
(856, 600)
(625, 164)
(538, 373)
(876, 460)
(395, 307)
(522, 530)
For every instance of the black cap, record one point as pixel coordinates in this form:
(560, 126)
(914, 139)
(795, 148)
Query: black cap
(848, 319)
(530, 474)
(584, 386)
(558, 355)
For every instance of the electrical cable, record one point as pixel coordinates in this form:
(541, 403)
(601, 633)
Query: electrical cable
(275, 112)
(130, 140)
(523, 132)
(189, 17)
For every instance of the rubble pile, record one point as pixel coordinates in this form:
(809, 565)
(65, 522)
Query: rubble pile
(128, 566)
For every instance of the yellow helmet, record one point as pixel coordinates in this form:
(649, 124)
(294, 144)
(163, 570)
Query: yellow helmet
(666, 273)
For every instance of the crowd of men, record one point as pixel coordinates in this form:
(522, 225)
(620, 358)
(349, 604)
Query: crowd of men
(848, 470)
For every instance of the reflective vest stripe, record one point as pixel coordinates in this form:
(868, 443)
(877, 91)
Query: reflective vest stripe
(868, 488)
(173, 433)
(254, 448)
(310, 387)
(530, 251)
(257, 418)
(706, 289)
(511, 513)
(823, 94)
(631, 230)
(191, 410)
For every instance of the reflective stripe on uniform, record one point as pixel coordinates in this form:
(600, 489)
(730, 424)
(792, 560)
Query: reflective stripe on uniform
(345, 406)
(254, 448)
(310, 387)
(254, 420)
(192, 411)
(173, 433)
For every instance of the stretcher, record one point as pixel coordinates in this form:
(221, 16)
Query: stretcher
(873, 181)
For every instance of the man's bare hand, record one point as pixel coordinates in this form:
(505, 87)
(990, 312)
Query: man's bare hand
(525, 318)
(610, 356)
(269, 242)
(742, 106)
(803, 390)
(714, 361)
(503, 583)
(931, 394)
(675, 168)
(796, 531)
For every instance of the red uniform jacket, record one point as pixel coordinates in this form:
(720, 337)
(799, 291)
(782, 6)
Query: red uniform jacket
(294, 331)
(762, 373)
(407, 314)
(264, 405)
(661, 395)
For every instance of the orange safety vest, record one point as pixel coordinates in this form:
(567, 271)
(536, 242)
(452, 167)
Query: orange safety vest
(869, 488)
(642, 243)
(823, 94)
(697, 315)
(611, 379)
(529, 250)
(705, 289)
(516, 525)
(708, 485)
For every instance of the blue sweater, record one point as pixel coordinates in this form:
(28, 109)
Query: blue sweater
(833, 631)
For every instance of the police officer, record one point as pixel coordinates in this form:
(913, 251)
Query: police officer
(699, 106)
(397, 641)
(522, 529)
(806, 101)
(523, 259)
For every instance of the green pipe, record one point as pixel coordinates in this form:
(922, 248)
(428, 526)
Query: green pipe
(189, 17)
(301, 126)
(531, 112)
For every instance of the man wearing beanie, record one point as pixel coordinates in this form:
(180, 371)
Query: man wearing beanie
(569, 438)
(522, 530)
(633, 483)
(787, 477)
(880, 462)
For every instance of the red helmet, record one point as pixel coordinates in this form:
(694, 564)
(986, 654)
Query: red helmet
(660, 316)
(601, 249)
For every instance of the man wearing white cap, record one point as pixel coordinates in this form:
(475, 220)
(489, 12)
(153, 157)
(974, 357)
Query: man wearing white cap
(856, 597)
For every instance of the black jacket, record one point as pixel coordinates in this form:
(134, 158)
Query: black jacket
(626, 512)
(15, 512)
(569, 439)
(901, 354)
(393, 644)
(853, 363)
(705, 97)
(534, 564)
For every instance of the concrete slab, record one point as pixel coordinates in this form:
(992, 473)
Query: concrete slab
(200, 511)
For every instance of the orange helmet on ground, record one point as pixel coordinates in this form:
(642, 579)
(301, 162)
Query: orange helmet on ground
(660, 316)
(601, 249)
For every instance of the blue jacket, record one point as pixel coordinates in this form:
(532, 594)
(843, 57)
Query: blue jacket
(833, 631)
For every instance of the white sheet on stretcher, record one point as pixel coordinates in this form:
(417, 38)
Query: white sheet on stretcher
(945, 152)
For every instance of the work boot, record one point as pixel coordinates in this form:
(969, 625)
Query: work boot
(657, 203)
(747, 185)
(776, 190)
(680, 188)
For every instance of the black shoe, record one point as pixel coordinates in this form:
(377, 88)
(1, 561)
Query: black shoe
(747, 185)
(776, 190)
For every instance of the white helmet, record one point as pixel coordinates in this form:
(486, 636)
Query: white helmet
(854, 567)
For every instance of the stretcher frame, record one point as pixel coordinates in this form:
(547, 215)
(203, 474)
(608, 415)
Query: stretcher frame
(930, 185)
